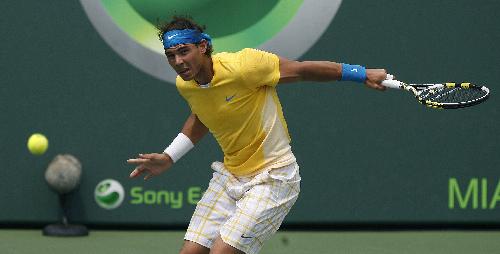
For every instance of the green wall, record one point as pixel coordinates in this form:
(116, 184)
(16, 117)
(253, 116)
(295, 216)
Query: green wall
(365, 156)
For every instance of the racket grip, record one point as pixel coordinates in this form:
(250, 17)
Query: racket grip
(392, 84)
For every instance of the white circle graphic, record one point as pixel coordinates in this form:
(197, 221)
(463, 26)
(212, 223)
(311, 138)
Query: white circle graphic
(310, 21)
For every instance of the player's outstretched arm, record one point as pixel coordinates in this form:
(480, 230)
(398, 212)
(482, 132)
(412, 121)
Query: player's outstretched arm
(324, 71)
(153, 164)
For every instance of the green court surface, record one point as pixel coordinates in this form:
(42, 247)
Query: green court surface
(289, 242)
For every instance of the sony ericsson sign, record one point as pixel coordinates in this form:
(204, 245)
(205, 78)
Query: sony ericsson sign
(110, 194)
(288, 28)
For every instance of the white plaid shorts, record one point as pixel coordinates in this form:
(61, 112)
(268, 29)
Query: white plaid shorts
(244, 212)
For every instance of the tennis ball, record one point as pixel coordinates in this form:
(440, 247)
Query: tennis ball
(38, 144)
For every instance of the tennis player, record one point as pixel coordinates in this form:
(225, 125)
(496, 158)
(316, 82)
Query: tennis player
(233, 96)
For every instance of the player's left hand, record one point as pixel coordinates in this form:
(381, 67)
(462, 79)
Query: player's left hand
(151, 164)
(374, 78)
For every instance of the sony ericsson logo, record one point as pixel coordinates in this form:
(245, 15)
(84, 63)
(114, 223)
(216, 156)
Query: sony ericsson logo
(288, 28)
(109, 194)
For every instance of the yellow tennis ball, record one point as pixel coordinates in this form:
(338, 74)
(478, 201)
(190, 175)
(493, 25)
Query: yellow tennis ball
(38, 144)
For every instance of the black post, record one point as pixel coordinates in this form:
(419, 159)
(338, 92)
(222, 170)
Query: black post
(64, 228)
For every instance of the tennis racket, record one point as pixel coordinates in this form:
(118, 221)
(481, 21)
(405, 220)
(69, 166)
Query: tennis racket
(443, 96)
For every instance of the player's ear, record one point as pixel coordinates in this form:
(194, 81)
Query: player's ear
(203, 45)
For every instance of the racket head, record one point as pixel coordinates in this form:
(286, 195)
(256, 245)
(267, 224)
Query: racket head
(450, 95)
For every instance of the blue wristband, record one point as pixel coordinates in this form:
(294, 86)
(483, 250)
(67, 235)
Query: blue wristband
(355, 73)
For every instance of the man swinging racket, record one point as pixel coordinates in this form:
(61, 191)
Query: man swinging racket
(233, 96)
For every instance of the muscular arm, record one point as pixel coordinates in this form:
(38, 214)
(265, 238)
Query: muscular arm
(194, 129)
(322, 71)
(294, 71)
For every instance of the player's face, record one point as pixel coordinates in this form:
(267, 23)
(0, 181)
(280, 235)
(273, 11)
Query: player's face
(186, 60)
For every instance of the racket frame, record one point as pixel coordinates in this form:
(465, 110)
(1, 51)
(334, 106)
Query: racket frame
(418, 89)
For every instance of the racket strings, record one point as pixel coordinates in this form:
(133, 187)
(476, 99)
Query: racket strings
(452, 95)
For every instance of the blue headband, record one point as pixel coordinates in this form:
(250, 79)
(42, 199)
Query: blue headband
(185, 36)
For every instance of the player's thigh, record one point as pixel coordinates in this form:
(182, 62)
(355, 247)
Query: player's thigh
(262, 209)
(213, 209)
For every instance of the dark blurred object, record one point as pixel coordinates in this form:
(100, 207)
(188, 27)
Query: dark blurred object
(63, 176)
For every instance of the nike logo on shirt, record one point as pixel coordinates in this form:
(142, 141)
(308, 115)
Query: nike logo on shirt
(228, 99)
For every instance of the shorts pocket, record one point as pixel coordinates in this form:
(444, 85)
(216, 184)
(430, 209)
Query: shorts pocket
(287, 174)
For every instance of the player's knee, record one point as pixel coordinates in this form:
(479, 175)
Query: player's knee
(193, 248)
(220, 247)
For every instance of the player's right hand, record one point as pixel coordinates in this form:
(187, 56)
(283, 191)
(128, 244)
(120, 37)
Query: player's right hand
(374, 78)
(151, 164)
